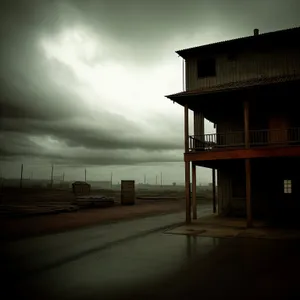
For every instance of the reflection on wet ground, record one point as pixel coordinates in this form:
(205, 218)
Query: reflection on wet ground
(224, 227)
(155, 265)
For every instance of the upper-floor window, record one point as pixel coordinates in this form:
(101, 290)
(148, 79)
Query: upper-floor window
(206, 67)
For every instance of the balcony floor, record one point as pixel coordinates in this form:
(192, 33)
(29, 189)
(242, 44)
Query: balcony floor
(242, 153)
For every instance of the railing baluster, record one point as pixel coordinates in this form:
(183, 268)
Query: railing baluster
(258, 138)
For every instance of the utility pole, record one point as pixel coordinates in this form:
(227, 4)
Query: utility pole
(111, 178)
(1, 182)
(85, 175)
(21, 177)
(161, 179)
(145, 180)
(52, 169)
(156, 179)
(63, 177)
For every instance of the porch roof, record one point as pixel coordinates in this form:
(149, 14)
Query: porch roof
(233, 86)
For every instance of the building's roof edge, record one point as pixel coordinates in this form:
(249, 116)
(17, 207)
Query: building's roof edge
(214, 46)
(236, 86)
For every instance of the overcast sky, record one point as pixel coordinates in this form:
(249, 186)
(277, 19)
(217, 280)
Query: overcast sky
(83, 81)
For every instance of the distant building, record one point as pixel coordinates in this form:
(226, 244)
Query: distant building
(81, 188)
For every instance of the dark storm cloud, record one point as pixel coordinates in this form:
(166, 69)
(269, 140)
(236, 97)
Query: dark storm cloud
(90, 135)
(32, 104)
(25, 90)
(28, 93)
(146, 27)
(17, 146)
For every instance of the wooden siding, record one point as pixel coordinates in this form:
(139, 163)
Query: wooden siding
(267, 188)
(272, 121)
(232, 199)
(246, 66)
(282, 123)
(227, 126)
(198, 123)
(224, 191)
(228, 203)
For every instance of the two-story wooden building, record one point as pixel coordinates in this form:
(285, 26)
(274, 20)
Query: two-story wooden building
(249, 88)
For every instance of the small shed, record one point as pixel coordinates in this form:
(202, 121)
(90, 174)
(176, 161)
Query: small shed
(81, 188)
(127, 192)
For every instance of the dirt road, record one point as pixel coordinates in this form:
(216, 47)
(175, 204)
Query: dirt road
(15, 228)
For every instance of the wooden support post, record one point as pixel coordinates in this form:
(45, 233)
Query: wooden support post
(247, 165)
(187, 165)
(187, 192)
(214, 190)
(248, 192)
(194, 193)
(246, 124)
(186, 128)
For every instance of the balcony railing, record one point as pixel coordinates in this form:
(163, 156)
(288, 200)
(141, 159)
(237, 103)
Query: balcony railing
(267, 137)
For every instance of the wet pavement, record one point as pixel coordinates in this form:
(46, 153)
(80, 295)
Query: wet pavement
(136, 260)
(226, 227)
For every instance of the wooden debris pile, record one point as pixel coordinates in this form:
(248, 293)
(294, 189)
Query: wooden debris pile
(18, 210)
(94, 201)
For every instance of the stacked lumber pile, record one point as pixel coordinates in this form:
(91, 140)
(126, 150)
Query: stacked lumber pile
(156, 198)
(94, 201)
(18, 210)
(50, 207)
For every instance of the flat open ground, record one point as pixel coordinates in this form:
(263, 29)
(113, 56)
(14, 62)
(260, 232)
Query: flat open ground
(136, 260)
(23, 227)
(12, 227)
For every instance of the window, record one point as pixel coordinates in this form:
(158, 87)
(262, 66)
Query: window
(206, 68)
(287, 185)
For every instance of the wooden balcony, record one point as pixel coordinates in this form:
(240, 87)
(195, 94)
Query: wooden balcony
(236, 140)
(231, 145)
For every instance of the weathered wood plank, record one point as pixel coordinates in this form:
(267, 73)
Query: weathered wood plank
(242, 153)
